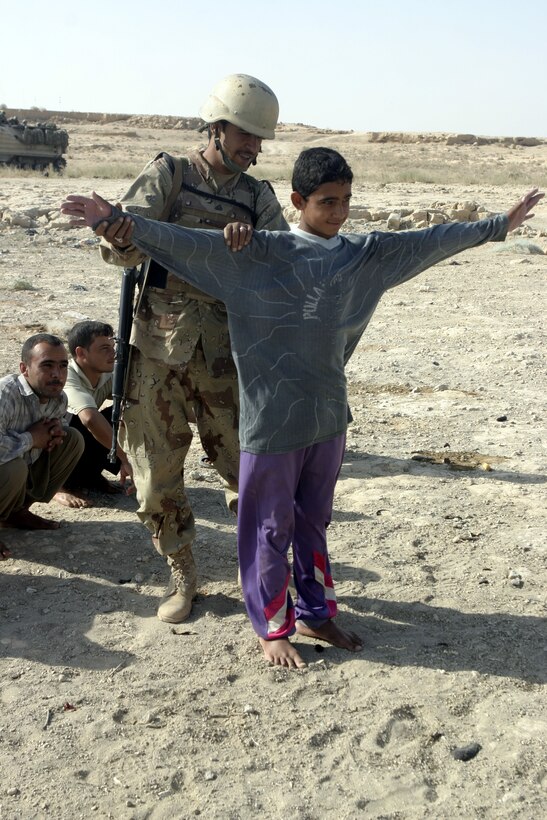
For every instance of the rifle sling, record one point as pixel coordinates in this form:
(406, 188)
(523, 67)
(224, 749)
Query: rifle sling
(152, 273)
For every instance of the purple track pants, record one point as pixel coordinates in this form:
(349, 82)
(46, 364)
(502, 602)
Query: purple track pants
(287, 499)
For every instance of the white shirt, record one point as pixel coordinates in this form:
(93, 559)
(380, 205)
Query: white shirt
(80, 392)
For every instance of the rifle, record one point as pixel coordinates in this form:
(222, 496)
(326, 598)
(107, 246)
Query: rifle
(130, 278)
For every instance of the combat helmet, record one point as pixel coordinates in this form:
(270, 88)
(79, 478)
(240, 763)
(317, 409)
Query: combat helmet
(245, 102)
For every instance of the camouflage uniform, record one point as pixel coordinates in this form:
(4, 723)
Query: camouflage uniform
(181, 361)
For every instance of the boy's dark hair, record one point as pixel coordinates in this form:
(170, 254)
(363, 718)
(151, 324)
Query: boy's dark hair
(38, 338)
(315, 166)
(83, 334)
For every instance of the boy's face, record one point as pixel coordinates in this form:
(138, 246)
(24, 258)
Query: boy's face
(324, 211)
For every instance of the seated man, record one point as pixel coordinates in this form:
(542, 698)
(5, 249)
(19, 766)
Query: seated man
(88, 386)
(37, 453)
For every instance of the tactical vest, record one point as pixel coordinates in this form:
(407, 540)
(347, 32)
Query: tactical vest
(196, 206)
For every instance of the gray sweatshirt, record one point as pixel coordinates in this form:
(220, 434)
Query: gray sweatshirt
(296, 310)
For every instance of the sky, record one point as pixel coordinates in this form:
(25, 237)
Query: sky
(405, 65)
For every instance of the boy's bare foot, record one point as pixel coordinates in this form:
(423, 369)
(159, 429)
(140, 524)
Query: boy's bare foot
(26, 520)
(5, 552)
(72, 498)
(331, 633)
(281, 652)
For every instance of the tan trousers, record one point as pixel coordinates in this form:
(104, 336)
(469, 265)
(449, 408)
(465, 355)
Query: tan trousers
(21, 484)
(156, 436)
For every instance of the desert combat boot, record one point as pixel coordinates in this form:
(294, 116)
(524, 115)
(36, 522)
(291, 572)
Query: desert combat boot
(177, 603)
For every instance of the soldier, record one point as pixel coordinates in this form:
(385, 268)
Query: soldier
(181, 363)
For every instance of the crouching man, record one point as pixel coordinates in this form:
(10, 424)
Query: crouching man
(88, 387)
(37, 452)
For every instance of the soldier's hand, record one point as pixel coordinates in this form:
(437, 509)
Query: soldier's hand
(86, 211)
(117, 233)
(237, 235)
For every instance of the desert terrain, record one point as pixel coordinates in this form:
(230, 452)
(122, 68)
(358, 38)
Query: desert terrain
(437, 541)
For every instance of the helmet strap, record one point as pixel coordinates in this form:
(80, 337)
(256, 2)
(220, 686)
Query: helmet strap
(229, 163)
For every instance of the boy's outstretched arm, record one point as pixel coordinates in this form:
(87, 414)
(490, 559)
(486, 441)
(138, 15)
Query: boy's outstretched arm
(520, 212)
(199, 257)
(95, 212)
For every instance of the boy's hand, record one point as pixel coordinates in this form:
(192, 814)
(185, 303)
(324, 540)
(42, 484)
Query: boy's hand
(237, 235)
(520, 212)
(85, 211)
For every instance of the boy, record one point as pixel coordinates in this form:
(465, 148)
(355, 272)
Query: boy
(297, 305)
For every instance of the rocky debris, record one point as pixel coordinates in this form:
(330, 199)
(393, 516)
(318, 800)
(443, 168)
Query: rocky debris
(515, 579)
(521, 246)
(63, 117)
(358, 212)
(405, 137)
(291, 128)
(453, 139)
(45, 224)
(403, 219)
(177, 123)
(394, 222)
(466, 753)
(16, 219)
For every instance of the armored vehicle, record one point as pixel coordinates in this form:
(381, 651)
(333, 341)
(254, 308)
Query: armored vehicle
(32, 146)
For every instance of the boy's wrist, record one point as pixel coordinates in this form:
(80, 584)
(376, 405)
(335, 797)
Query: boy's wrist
(116, 213)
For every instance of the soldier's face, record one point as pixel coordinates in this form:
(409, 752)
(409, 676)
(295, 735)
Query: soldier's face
(46, 370)
(240, 146)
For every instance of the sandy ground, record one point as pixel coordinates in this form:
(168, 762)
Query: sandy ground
(438, 549)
